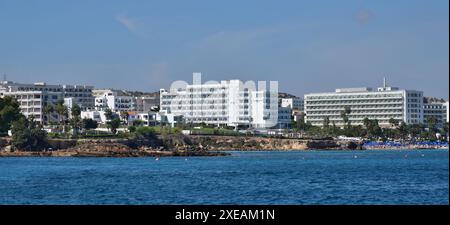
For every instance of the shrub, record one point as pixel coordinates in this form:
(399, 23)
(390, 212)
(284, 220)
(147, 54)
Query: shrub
(28, 135)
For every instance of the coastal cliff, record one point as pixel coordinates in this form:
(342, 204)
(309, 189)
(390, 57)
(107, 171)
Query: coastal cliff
(220, 143)
(172, 145)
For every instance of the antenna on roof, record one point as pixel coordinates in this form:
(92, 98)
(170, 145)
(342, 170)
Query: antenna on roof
(384, 82)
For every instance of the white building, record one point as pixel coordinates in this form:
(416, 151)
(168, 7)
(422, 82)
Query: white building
(284, 118)
(114, 100)
(447, 111)
(382, 104)
(155, 118)
(292, 103)
(33, 98)
(435, 108)
(231, 103)
(98, 116)
(147, 103)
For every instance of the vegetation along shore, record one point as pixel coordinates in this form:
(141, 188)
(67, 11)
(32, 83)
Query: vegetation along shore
(78, 138)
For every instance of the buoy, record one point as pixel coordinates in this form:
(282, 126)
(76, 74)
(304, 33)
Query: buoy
(157, 158)
(355, 157)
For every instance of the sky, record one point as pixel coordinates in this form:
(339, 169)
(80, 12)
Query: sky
(307, 46)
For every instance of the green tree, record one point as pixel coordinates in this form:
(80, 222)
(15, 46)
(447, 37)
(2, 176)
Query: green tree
(75, 110)
(366, 122)
(403, 130)
(432, 122)
(48, 111)
(63, 112)
(9, 112)
(445, 129)
(132, 129)
(344, 116)
(393, 122)
(326, 122)
(89, 124)
(301, 125)
(113, 125)
(137, 123)
(109, 114)
(28, 135)
(75, 121)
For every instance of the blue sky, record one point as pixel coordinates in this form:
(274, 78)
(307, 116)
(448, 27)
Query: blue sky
(308, 46)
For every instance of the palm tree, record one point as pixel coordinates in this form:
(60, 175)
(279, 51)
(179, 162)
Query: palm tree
(366, 122)
(48, 110)
(393, 122)
(301, 122)
(326, 122)
(75, 112)
(62, 111)
(344, 115)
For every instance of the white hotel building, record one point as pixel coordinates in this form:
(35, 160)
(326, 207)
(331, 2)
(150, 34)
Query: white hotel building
(230, 103)
(115, 100)
(382, 104)
(33, 98)
(435, 108)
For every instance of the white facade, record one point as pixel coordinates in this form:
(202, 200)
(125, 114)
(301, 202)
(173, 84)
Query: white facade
(383, 104)
(146, 103)
(113, 100)
(98, 116)
(437, 109)
(447, 111)
(231, 103)
(292, 103)
(284, 118)
(33, 98)
(154, 118)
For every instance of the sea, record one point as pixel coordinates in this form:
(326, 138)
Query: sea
(380, 177)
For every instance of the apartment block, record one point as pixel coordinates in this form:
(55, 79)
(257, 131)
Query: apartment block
(230, 103)
(381, 104)
(33, 98)
(435, 108)
(115, 100)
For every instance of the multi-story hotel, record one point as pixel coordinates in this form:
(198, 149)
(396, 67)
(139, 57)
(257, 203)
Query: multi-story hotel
(381, 104)
(435, 108)
(115, 100)
(33, 98)
(231, 103)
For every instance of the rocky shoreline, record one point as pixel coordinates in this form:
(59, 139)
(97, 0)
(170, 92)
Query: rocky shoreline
(172, 145)
(126, 153)
(175, 145)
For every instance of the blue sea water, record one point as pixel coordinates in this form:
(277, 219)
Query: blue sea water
(300, 177)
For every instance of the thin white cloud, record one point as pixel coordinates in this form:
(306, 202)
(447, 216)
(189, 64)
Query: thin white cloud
(129, 23)
(238, 39)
